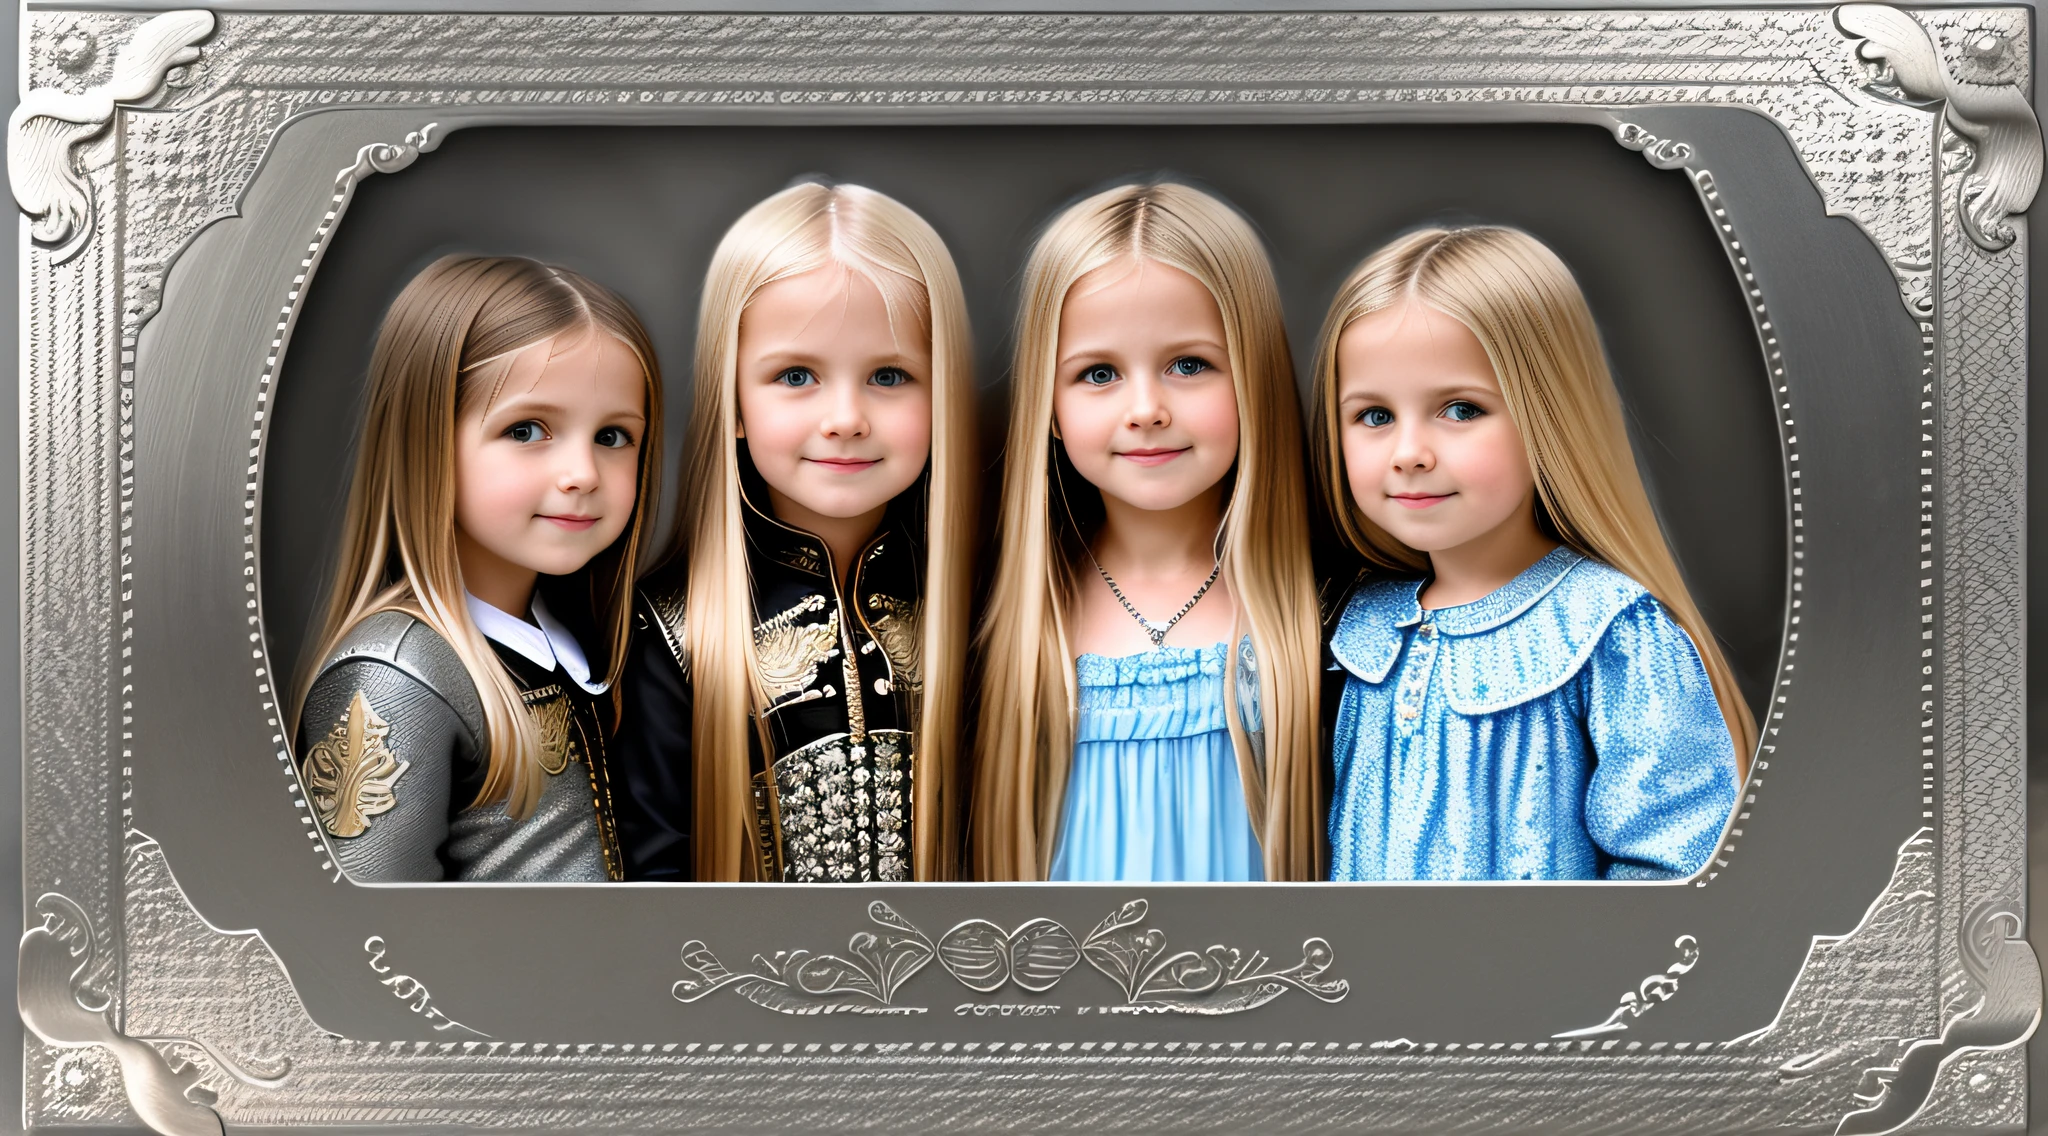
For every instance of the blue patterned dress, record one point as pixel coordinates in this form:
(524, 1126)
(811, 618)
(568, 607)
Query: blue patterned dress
(1154, 791)
(1562, 728)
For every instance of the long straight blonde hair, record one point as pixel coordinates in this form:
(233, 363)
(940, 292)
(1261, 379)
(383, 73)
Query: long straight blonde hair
(1028, 690)
(444, 349)
(804, 228)
(1526, 310)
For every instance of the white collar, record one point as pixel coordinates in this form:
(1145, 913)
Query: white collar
(550, 645)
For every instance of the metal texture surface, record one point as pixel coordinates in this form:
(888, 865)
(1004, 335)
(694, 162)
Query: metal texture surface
(148, 691)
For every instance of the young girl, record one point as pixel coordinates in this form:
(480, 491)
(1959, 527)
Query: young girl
(454, 725)
(1149, 696)
(1545, 702)
(792, 702)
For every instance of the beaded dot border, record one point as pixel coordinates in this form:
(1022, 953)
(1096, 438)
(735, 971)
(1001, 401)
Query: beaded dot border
(376, 158)
(1788, 434)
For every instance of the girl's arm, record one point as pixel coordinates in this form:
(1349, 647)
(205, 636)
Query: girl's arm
(1663, 782)
(378, 751)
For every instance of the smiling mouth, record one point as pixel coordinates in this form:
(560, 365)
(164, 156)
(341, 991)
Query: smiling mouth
(845, 465)
(1153, 456)
(1418, 500)
(570, 521)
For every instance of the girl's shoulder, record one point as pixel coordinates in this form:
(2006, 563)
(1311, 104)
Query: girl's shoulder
(1522, 642)
(404, 658)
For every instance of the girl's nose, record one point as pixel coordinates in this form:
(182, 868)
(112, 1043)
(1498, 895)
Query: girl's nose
(845, 412)
(1147, 407)
(577, 472)
(1412, 451)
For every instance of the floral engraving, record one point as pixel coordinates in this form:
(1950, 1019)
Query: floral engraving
(1654, 989)
(1220, 980)
(799, 982)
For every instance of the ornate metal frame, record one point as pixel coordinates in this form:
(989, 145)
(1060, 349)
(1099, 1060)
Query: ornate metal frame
(139, 131)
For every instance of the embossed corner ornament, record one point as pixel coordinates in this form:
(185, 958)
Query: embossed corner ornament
(1999, 166)
(61, 967)
(45, 132)
(2000, 1008)
(985, 958)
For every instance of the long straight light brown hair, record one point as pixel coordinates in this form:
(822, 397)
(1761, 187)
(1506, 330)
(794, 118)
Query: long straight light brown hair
(1028, 690)
(1527, 311)
(444, 350)
(802, 229)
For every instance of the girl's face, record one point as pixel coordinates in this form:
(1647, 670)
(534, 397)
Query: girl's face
(546, 475)
(1143, 396)
(1430, 453)
(835, 402)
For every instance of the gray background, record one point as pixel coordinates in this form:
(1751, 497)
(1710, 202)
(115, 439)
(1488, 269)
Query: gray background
(10, 622)
(641, 209)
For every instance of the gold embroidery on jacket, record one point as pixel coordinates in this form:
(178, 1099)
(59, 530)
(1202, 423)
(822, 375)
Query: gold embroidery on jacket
(790, 652)
(350, 774)
(899, 629)
(550, 709)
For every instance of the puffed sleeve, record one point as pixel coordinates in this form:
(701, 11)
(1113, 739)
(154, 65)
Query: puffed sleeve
(652, 802)
(379, 751)
(1663, 781)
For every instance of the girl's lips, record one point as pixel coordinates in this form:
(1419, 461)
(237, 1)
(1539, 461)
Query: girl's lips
(1152, 457)
(1418, 500)
(572, 523)
(844, 465)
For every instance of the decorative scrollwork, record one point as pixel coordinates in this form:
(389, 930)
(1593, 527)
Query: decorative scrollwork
(799, 982)
(410, 990)
(57, 963)
(45, 131)
(983, 957)
(1663, 153)
(1654, 989)
(390, 157)
(1220, 980)
(2000, 158)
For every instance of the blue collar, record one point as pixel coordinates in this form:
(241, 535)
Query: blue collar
(1369, 635)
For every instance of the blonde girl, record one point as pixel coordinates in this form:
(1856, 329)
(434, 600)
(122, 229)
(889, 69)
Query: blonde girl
(1544, 701)
(793, 703)
(453, 722)
(1148, 705)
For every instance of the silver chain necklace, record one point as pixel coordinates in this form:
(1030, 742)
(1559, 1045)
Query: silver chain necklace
(1154, 628)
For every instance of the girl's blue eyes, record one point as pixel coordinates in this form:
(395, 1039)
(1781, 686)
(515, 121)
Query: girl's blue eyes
(1102, 374)
(800, 377)
(1459, 411)
(610, 437)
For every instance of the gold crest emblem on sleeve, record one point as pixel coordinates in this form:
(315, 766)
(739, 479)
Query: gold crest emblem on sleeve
(351, 773)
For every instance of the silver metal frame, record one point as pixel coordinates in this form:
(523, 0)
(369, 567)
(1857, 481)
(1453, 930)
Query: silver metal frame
(137, 132)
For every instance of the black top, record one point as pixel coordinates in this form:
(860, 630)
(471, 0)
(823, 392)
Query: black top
(841, 670)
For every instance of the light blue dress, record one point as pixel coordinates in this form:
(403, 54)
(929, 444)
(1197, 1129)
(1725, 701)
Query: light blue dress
(1562, 728)
(1154, 791)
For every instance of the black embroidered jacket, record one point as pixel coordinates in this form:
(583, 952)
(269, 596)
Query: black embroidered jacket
(841, 669)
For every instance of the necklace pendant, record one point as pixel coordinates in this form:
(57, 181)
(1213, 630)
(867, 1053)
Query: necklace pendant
(1157, 633)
